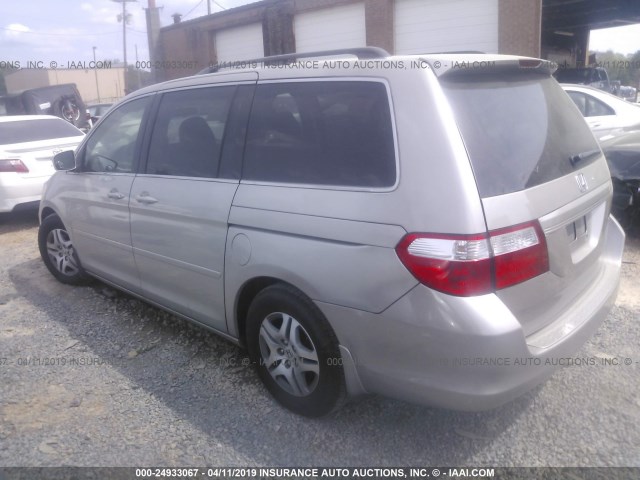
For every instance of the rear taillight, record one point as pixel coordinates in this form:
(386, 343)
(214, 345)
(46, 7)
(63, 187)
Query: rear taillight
(466, 265)
(519, 254)
(455, 264)
(529, 63)
(13, 166)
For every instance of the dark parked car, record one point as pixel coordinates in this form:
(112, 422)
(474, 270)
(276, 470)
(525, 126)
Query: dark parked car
(62, 101)
(596, 77)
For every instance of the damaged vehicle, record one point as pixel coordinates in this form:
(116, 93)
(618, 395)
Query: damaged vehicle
(368, 227)
(623, 156)
(63, 101)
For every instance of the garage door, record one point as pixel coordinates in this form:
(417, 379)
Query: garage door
(423, 26)
(240, 43)
(330, 28)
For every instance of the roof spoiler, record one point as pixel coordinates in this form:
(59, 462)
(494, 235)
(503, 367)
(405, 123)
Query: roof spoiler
(484, 65)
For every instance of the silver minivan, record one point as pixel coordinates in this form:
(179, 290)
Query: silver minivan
(432, 228)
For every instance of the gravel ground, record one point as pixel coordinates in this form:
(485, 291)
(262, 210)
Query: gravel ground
(128, 385)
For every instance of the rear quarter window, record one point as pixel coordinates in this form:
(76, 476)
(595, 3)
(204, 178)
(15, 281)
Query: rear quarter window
(333, 133)
(520, 130)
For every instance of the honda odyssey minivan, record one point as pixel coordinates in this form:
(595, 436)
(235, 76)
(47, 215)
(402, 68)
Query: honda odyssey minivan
(432, 228)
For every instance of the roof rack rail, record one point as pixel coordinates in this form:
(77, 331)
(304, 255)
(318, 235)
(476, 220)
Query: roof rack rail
(362, 53)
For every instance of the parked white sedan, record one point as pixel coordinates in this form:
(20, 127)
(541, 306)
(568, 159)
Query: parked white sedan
(27, 146)
(606, 114)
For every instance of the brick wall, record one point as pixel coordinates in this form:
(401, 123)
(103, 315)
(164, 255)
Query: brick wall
(379, 21)
(519, 27)
(193, 41)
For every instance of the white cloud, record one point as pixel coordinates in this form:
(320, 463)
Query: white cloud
(14, 30)
(34, 44)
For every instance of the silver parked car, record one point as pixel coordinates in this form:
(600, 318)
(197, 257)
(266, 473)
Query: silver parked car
(434, 228)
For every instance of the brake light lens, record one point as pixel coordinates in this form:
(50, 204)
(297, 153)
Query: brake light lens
(467, 265)
(455, 264)
(529, 63)
(520, 253)
(13, 166)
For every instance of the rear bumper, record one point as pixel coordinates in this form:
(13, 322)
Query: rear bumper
(467, 353)
(16, 190)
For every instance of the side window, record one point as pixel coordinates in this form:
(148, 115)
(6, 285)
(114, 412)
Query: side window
(596, 108)
(321, 133)
(188, 132)
(580, 101)
(112, 147)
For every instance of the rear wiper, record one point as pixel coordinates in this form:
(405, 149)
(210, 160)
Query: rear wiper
(580, 157)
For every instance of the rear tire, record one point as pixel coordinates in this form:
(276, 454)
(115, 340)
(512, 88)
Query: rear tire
(295, 351)
(58, 252)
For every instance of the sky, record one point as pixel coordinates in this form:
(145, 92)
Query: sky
(619, 39)
(66, 30)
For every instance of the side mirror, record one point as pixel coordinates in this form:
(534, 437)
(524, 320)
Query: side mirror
(64, 160)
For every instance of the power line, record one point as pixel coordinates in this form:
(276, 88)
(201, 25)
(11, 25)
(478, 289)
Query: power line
(58, 34)
(31, 32)
(189, 12)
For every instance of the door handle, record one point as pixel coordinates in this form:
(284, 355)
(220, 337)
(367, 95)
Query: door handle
(145, 198)
(115, 194)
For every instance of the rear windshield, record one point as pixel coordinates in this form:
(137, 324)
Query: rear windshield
(33, 130)
(520, 131)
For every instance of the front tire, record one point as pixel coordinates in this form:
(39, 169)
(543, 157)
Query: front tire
(295, 351)
(58, 253)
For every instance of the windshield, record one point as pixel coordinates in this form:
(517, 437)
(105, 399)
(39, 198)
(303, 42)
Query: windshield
(22, 131)
(520, 130)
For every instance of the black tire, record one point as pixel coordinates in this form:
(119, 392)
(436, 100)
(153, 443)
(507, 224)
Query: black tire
(305, 393)
(58, 253)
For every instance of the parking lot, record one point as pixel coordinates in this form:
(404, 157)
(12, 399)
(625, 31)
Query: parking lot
(92, 377)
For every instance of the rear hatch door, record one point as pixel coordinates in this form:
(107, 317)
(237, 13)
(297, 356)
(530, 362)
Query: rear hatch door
(535, 160)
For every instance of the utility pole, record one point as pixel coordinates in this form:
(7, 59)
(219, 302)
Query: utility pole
(137, 70)
(95, 71)
(124, 17)
(153, 37)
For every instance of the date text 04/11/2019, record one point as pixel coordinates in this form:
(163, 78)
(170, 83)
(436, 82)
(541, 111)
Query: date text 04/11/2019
(314, 472)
